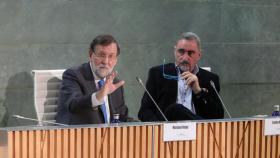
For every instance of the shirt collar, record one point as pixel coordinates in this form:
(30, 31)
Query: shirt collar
(196, 69)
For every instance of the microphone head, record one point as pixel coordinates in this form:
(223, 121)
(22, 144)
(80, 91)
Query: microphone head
(17, 116)
(139, 80)
(212, 84)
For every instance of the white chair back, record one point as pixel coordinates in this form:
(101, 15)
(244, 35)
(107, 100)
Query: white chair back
(206, 68)
(46, 90)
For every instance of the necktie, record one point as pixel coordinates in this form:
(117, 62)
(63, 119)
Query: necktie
(103, 106)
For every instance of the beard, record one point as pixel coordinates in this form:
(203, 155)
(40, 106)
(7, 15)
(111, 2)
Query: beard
(184, 66)
(101, 71)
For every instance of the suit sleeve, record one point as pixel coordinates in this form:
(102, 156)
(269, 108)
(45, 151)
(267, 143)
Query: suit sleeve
(72, 94)
(148, 111)
(117, 102)
(208, 104)
(123, 109)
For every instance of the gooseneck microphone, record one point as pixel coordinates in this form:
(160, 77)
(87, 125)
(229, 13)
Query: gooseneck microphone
(214, 87)
(141, 83)
(42, 121)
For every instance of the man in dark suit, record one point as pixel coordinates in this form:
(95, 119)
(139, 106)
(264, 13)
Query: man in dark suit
(91, 93)
(182, 90)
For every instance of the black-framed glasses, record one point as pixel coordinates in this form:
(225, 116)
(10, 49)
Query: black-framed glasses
(169, 77)
(182, 51)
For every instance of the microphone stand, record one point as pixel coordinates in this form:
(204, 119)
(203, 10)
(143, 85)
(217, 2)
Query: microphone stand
(31, 119)
(214, 87)
(141, 83)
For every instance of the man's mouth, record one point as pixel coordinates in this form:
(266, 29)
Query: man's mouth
(184, 63)
(184, 66)
(103, 67)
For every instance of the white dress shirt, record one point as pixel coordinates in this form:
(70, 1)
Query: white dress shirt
(184, 94)
(95, 102)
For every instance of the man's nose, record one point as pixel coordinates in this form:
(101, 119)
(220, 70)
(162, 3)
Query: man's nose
(185, 56)
(105, 60)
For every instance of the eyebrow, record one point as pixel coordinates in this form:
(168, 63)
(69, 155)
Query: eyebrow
(103, 52)
(185, 50)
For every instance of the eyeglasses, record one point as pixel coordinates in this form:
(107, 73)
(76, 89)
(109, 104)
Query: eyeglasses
(169, 77)
(103, 56)
(182, 51)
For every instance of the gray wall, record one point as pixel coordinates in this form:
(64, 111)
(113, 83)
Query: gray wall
(240, 42)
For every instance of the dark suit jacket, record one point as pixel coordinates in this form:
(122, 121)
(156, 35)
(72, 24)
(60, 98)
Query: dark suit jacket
(74, 103)
(164, 92)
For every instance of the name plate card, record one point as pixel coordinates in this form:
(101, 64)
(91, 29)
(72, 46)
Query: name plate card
(272, 126)
(179, 131)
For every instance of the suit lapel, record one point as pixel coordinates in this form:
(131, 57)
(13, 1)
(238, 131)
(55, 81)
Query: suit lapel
(110, 101)
(170, 84)
(89, 78)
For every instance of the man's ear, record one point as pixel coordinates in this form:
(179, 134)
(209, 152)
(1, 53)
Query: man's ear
(174, 50)
(90, 55)
(200, 54)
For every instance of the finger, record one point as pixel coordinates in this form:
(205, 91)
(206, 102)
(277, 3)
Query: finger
(108, 80)
(190, 80)
(119, 84)
(186, 73)
(110, 77)
(186, 76)
(183, 74)
(113, 74)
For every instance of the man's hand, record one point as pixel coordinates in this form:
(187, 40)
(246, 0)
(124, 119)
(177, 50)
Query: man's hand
(109, 87)
(191, 81)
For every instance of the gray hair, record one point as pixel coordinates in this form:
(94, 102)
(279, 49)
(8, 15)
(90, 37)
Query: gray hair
(191, 36)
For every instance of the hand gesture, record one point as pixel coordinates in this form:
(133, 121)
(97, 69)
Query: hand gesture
(109, 87)
(192, 81)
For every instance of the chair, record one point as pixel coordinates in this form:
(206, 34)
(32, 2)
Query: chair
(207, 68)
(46, 90)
